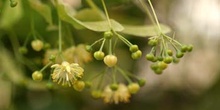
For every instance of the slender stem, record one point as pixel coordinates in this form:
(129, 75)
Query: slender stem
(124, 75)
(60, 35)
(147, 11)
(155, 16)
(97, 42)
(106, 13)
(110, 46)
(48, 64)
(103, 43)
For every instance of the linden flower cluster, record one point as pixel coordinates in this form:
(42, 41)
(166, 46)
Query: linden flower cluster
(72, 54)
(67, 74)
(111, 38)
(116, 94)
(162, 54)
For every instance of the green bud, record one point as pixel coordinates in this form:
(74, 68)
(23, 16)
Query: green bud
(150, 57)
(162, 65)
(37, 76)
(189, 48)
(179, 54)
(133, 48)
(13, 3)
(136, 54)
(176, 60)
(79, 85)
(158, 71)
(133, 88)
(23, 50)
(52, 58)
(47, 46)
(184, 48)
(168, 60)
(99, 55)
(170, 52)
(96, 94)
(88, 84)
(141, 82)
(154, 66)
(108, 35)
(114, 87)
(88, 48)
(50, 85)
(152, 42)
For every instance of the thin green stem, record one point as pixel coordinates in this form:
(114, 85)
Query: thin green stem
(123, 39)
(97, 42)
(147, 11)
(124, 75)
(60, 35)
(106, 13)
(103, 43)
(110, 46)
(155, 16)
(46, 66)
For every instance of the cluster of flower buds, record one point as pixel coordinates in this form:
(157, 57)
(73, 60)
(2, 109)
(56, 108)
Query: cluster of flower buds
(162, 53)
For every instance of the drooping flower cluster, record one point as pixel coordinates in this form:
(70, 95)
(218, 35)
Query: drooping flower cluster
(161, 54)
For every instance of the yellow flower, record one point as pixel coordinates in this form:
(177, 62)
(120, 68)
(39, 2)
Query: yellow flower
(120, 95)
(66, 74)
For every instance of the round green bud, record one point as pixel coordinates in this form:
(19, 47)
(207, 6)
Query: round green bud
(52, 58)
(99, 55)
(155, 59)
(79, 85)
(13, 3)
(152, 42)
(141, 82)
(184, 48)
(176, 60)
(96, 94)
(170, 52)
(133, 48)
(150, 57)
(133, 88)
(154, 66)
(114, 87)
(108, 35)
(189, 48)
(37, 76)
(88, 48)
(179, 54)
(37, 45)
(160, 58)
(23, 50)
(158, 71)
(110, 60)
(162, 65)
(136, 54)
(168, 60)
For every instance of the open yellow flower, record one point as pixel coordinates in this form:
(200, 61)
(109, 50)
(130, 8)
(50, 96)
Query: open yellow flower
(66, 74)
(120, 95)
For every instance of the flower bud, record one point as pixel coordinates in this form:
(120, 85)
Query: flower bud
(136, 54)
(37, 76)
(79, 85)
(110, 60)
(99, 55)
(133, 48)
(114, 87)
(108, 35)
(133, 88)
(37, 45)
(96, 94)
(23, 50)
(141, 82)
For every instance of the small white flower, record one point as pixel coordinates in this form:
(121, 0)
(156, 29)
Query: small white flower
(66, 74)
(120, 95)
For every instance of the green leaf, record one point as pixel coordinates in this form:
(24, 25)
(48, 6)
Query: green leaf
(145, 30)
(67, 15)
(88, 15)
(42, 9)
(102, 26)
(10, 16)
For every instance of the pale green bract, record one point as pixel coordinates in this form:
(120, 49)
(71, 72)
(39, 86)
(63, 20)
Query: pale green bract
(99, 26)
(145, 30)
(43, 9)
